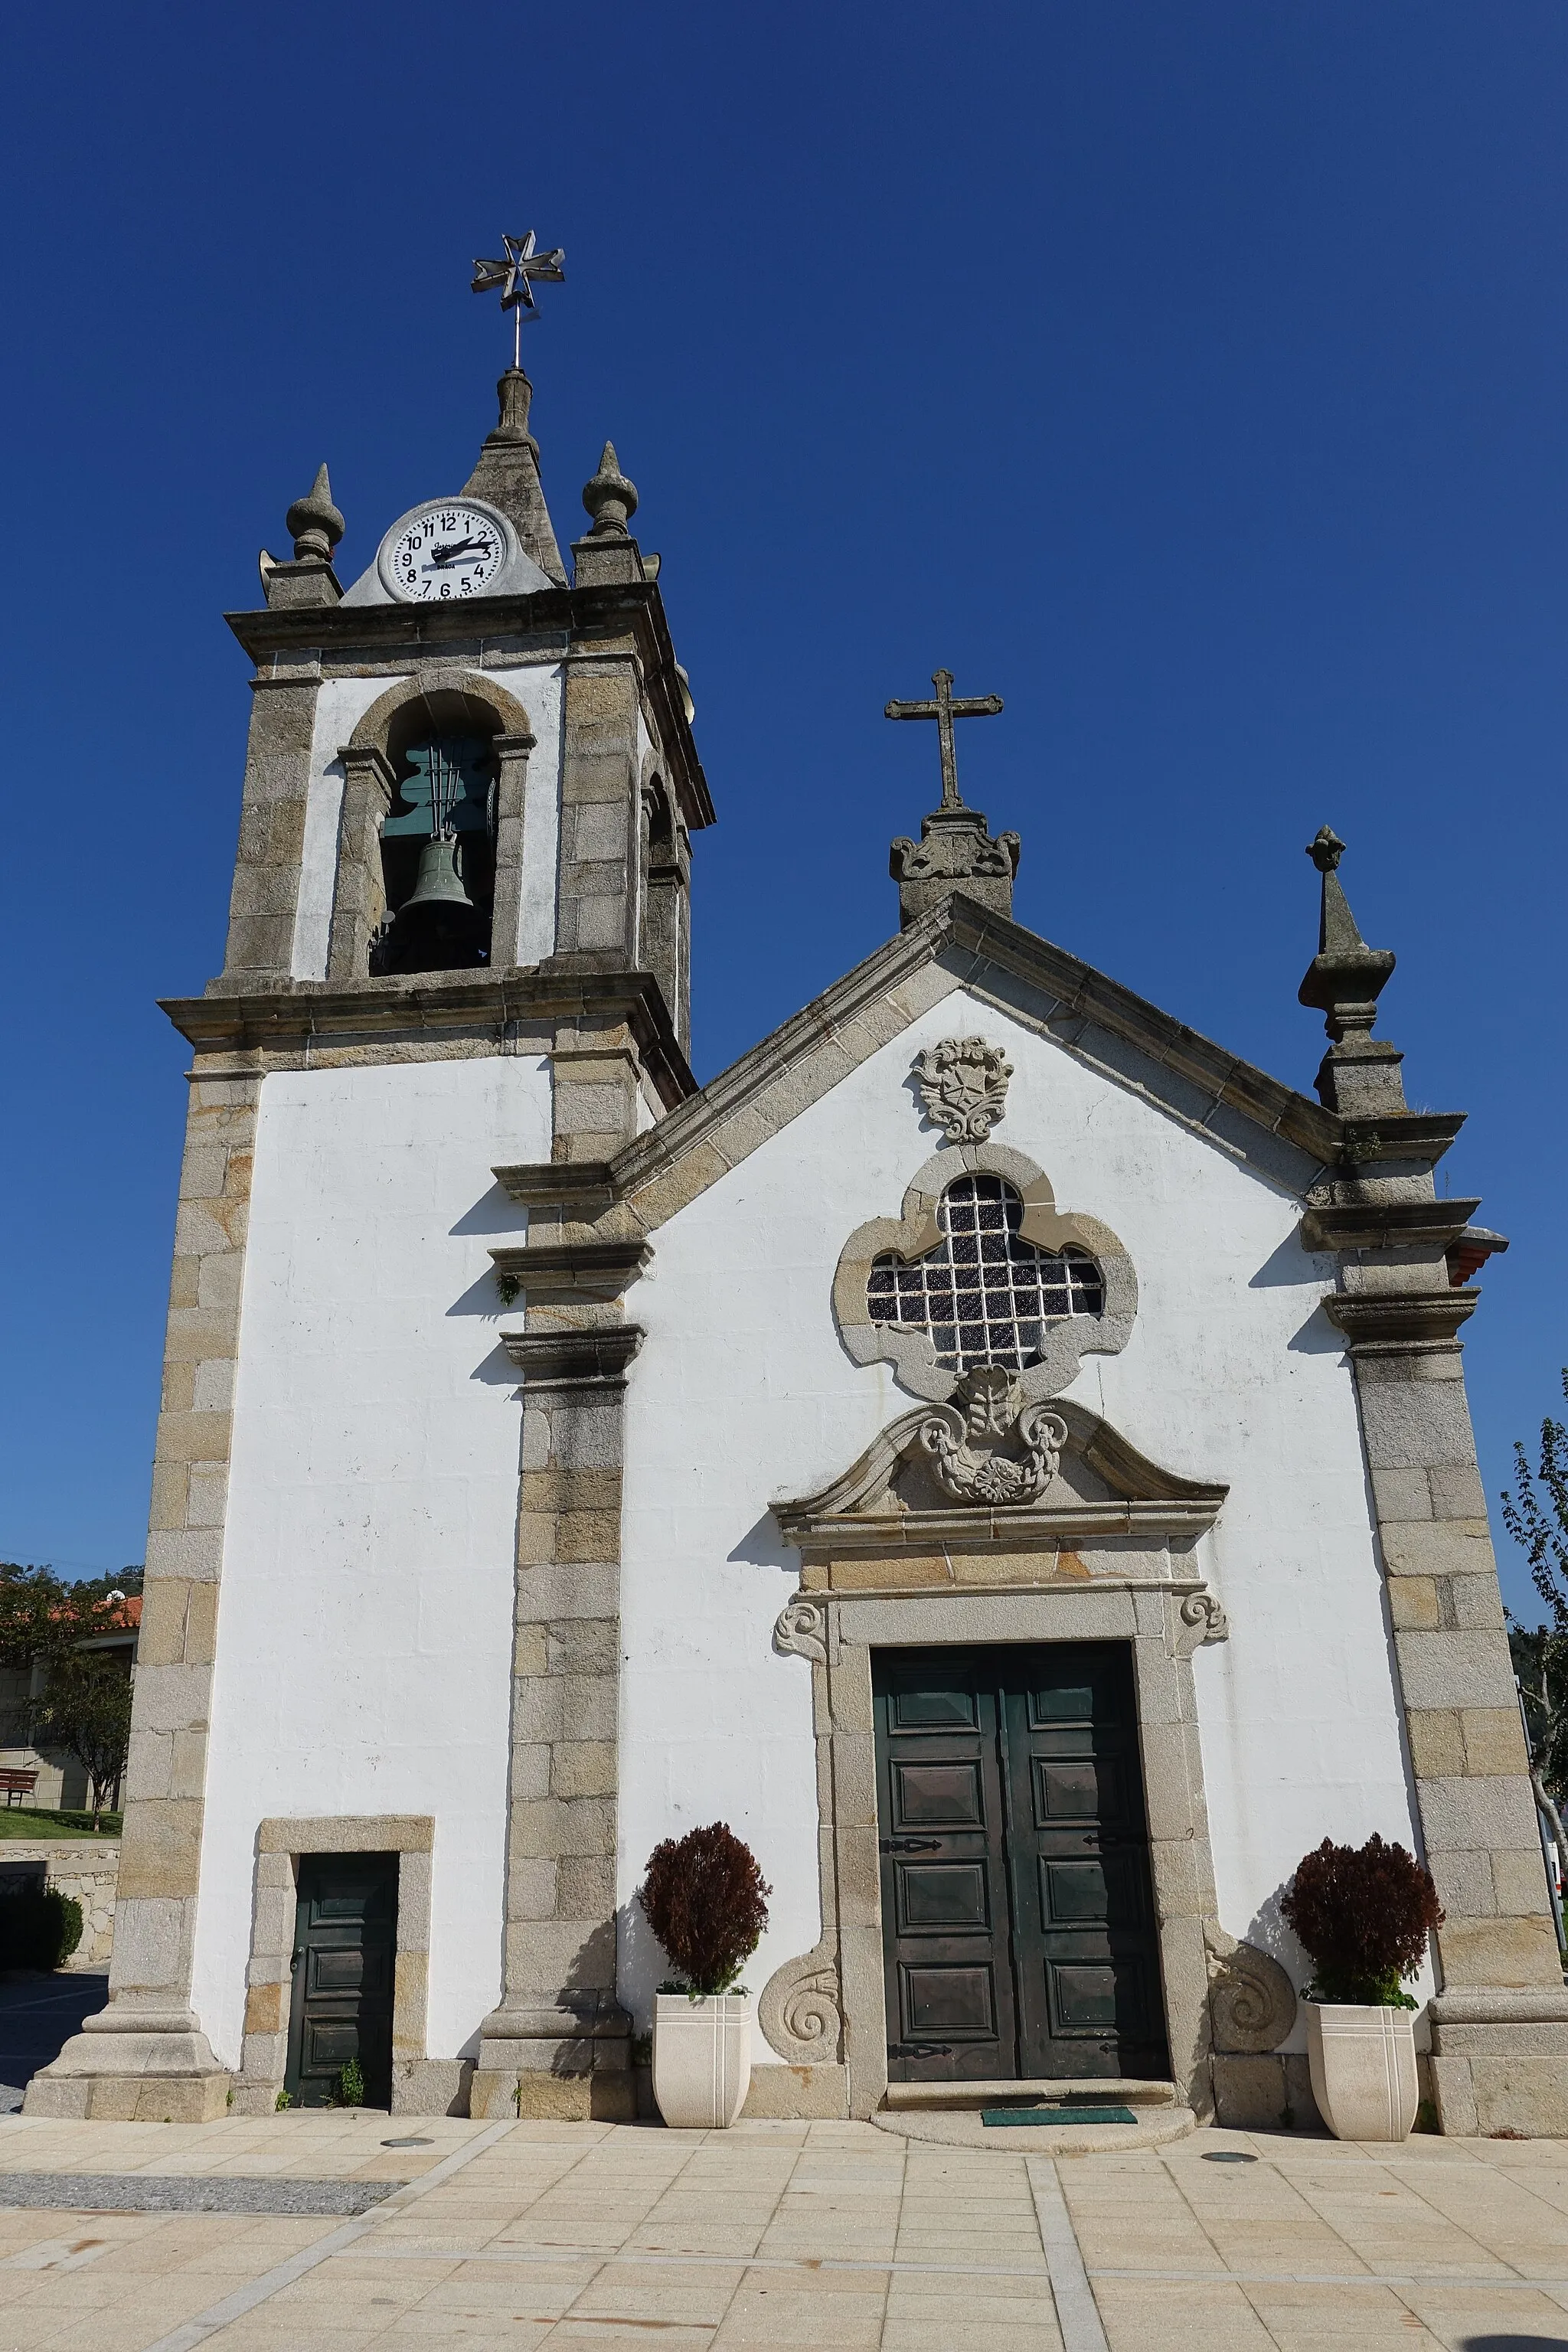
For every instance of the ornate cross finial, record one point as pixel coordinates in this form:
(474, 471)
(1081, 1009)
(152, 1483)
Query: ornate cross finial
(516, 274)
(944, 711)
(1325, 849)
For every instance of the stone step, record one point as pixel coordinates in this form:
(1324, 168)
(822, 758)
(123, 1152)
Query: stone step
(962, 2127)
(904, 2097)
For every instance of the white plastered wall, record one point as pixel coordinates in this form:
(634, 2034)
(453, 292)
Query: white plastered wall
(743, 1392)
(341, 704)
(364, 1623)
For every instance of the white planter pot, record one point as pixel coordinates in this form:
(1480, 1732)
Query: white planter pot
(1363, 2064)
(701, 2058)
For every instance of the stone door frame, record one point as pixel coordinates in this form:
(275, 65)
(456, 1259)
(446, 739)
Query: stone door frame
(827, 2010)
(420, 2085)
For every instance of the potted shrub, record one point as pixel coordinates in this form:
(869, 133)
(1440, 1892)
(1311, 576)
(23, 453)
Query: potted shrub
(1365, 1913)
(705, 1900)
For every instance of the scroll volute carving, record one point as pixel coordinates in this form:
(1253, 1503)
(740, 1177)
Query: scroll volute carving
(801, 2010)
(1252, 2001)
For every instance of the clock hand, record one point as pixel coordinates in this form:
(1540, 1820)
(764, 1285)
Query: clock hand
(456, 547)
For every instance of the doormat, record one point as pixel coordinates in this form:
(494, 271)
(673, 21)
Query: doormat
(1011, 2116)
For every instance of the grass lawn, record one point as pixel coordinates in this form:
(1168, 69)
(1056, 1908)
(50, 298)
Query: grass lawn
(22, 1822)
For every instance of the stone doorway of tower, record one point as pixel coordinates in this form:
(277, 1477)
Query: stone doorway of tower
(345, 1937)
(1018, 1925)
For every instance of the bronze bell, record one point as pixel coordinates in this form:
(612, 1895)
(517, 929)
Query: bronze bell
(439, 883)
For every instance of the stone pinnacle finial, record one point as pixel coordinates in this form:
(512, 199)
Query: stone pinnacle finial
(515, 395)
(609, 498)
(1344, 981)
(315, 523)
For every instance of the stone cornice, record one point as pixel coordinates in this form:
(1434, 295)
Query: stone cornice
(575, 1359)
(284, 1021)
(1416, 1137)
(1379, 1320)
(584, 1185)
(581, 1269)
(830, 1535)
(1386, 1225)
(632, 606)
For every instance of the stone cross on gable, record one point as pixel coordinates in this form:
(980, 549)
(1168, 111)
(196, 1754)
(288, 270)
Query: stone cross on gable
(944, 711)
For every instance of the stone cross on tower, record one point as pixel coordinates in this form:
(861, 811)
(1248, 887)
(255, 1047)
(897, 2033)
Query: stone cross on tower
(955, 851)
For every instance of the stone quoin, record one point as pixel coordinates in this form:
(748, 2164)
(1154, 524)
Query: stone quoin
(1002, 1453)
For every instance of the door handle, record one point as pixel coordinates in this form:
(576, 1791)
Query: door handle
(910, 1845)
(293, 1963)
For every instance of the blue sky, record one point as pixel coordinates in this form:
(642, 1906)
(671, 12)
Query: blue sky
(1195, 378)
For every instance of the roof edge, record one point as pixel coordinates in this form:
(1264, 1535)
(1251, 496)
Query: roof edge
(838, 1027)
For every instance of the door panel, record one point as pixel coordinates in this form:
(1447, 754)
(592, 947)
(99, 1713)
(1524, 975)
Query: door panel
(940, 1802)
(1018, 1919)
(345, 1939)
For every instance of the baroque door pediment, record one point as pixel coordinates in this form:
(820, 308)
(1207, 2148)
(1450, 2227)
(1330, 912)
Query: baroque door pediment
(992, 1468)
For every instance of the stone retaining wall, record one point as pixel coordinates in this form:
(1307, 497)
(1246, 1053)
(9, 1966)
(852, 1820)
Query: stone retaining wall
(86, 1868)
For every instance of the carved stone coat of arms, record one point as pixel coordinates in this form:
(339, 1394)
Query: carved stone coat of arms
(963, 1086)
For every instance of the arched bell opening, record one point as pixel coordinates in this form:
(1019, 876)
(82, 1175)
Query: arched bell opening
(438, 838)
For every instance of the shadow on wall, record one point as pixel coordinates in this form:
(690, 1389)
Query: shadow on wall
(1290, 1267)
(1268, 1932)
(644, 1963)
(762, 1546)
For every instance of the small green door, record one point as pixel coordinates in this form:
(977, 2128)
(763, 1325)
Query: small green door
(345, 1940)
(1017, 1918)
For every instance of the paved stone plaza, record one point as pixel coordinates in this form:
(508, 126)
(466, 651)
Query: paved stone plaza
(820, 2235)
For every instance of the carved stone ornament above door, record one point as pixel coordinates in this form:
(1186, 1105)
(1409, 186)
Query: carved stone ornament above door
(994, 1471)
(963, 1086)
(1045, 1289)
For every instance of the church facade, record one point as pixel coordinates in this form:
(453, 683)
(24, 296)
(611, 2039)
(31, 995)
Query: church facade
(1002, 1453)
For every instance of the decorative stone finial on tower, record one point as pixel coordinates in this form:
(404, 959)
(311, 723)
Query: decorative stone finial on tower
(955, 850)
(609, 498)
(1360, 1074)
(314, 523)
(609, 552)
(507, 476)
(315, 527)
(515, 395)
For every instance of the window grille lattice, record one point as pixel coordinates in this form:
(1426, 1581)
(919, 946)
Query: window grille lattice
(985, 1294)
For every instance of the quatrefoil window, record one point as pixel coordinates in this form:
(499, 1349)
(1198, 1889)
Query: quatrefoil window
(984, 1294)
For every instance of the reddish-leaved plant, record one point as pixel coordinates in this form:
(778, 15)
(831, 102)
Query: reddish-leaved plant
(706, 1901)
(1365, 1913)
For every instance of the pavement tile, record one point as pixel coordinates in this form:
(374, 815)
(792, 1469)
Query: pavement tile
(1302, 2318)
(795, 2195)
(1177, 2317)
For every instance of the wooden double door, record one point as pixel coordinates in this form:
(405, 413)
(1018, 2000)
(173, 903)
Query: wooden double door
(1017, 1915)
(345, 1945)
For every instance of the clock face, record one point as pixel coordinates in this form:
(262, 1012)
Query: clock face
(444, 552)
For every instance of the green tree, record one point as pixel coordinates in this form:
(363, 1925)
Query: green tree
(1536, 1516)
(42, 1616)
(84, 1705)
(85, 1710)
